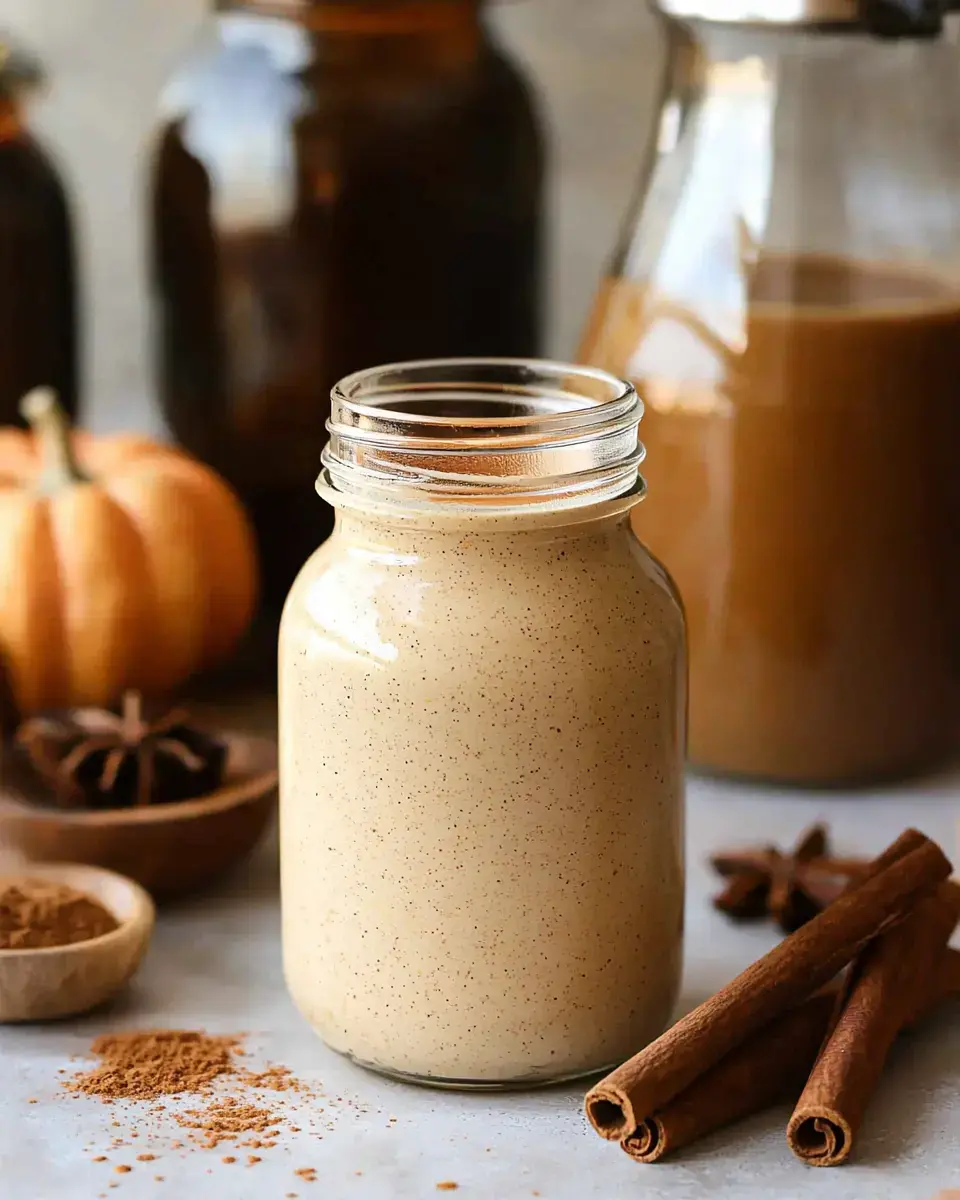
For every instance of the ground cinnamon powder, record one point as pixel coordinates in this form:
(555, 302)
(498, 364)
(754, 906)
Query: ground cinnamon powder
(227, 1118)
(148, 1065)
(276, 1078)
(143, 1065)
(36, 913)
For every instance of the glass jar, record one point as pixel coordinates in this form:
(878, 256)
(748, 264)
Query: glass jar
(38, 304)
(787, 300)
(339, 184)
(482, 682)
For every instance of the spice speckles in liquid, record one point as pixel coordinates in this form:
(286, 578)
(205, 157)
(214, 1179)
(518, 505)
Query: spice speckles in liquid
(481, 784)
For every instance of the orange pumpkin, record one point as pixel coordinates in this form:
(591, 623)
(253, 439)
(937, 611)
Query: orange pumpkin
(123, 564)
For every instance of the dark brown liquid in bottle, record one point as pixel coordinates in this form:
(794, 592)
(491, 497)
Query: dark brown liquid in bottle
(38, 322)
(411, 167)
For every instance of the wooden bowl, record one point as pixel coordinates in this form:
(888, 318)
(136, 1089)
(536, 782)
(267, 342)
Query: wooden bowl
(171, 849)
(62, 981)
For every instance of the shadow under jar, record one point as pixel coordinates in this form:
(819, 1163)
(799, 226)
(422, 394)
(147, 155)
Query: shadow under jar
(787, 302)
(340, 184)
(482, 854)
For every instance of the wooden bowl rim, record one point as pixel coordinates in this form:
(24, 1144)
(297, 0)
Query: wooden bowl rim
(231, 795)
(143, 916)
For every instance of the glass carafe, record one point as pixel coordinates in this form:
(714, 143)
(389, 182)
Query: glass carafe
(786, 299)
(339, 184)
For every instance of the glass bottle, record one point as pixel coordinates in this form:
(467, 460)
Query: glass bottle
(786, 298)
(38, 308)
(339, 184)
(482, 685)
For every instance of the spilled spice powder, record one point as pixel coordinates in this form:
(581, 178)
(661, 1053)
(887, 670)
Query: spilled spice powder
(226, 1118)
(277, 1079)
(152, 1064)
(157, 1062)
(36, 913)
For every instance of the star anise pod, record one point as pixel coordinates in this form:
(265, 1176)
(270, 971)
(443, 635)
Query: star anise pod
(791, 887)
(94, 758)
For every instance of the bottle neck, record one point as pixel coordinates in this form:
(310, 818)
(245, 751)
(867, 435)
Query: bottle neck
(366, 18)
(390, 37)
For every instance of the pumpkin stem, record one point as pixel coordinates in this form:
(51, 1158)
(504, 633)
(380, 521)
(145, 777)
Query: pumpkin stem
(59, 466)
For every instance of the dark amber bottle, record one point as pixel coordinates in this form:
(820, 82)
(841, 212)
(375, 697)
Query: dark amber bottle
(38, 315)
(339, 184)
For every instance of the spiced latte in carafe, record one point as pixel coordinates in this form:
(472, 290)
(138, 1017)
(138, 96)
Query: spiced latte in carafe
(803, 492)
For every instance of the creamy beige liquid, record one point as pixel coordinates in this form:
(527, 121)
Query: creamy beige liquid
(481, 795)
(806, 499)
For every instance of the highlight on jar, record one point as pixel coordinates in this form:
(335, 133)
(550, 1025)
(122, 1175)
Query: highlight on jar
(498, 668)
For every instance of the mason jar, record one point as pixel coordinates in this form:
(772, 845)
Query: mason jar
(482, 726)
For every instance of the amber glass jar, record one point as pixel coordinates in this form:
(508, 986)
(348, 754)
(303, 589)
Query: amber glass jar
(38, 319)
(339, 184)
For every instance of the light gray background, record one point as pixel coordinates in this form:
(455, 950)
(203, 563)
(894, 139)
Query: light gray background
(596, 64)
(215, 964)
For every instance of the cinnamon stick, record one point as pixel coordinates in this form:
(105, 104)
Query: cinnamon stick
(945, 986)
(799, 965)
(889, 983)
(771, 1067)
(949, 975)
(910, 839)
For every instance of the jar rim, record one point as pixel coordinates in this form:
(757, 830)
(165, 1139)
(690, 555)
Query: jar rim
(510, 432)
(416, 374)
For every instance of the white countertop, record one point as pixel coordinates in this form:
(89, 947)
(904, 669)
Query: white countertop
(215, 964)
